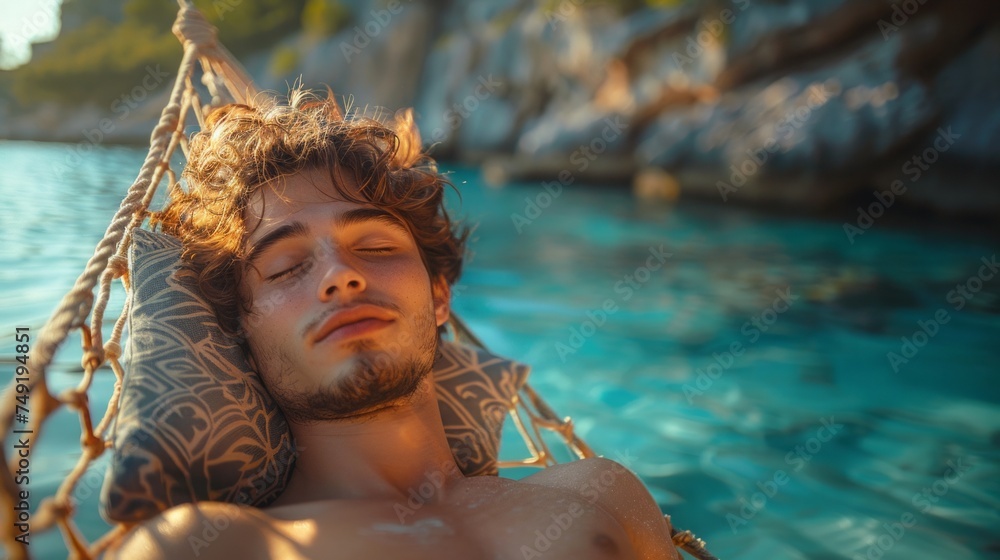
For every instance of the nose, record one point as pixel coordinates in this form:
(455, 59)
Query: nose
(340, 280)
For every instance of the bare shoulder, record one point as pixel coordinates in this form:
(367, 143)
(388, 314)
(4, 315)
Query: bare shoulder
(599, 480)
(590, 470)
(617, 490)
(205, 530)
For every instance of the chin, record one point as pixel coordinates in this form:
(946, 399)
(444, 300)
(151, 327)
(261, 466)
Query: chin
(366, 381)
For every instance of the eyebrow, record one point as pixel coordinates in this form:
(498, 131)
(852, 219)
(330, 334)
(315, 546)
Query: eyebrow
(361, 215)
(347, 219)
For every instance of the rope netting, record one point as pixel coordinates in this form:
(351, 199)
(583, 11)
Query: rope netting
(226, 82)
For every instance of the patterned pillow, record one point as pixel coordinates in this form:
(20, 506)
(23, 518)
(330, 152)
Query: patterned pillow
(196, 423)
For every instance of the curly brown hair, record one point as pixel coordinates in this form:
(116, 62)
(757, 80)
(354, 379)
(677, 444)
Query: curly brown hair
(244, 148)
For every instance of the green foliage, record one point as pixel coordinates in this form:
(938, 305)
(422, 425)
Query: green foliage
(154, 13)
(92, 64)
(246, 26)
(103, 59)
(322, 18)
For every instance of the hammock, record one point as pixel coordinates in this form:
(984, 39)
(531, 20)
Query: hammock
(226, 82)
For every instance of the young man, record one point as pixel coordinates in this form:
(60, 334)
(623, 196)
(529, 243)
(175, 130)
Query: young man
(324, 243)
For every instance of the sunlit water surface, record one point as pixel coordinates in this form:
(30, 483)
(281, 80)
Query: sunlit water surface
(736, 451)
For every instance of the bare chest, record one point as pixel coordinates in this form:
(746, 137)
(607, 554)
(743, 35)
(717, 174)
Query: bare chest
(490, 525)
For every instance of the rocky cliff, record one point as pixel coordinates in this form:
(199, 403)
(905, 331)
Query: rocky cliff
(803, 103)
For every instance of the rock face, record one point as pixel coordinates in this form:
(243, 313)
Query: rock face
(794, 102)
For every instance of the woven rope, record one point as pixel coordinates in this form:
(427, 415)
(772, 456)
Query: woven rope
(226, 81)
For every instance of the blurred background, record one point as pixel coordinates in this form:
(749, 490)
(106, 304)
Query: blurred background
(749, 246)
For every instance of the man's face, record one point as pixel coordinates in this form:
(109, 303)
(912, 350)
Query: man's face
(344, 318)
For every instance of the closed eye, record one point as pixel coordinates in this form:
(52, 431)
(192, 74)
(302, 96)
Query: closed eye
(299, 268)
(287, 272)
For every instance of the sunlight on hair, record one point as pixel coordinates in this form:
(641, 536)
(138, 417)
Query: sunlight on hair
(245, 148)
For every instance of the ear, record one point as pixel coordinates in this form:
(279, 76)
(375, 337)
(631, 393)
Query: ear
(441, 293)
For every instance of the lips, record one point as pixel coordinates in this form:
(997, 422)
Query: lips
(352, 320)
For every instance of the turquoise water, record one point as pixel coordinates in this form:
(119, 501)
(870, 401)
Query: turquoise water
(799, 441)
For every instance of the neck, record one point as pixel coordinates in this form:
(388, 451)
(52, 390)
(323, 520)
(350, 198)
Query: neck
(383, 455)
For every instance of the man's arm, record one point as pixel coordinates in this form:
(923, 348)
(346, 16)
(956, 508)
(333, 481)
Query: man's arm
(615, 489)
